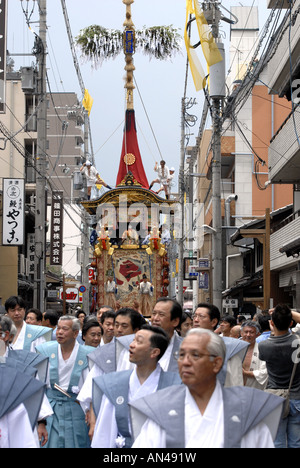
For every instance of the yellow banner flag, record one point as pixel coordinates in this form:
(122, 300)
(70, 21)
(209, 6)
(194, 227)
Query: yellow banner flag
(209, 47)
(87, 101)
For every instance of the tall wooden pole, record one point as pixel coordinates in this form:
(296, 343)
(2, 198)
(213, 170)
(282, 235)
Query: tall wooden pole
(129, 49)
(41, 187)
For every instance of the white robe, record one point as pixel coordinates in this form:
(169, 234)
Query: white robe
(165, 359)
(259, 369)
(203, 431)
(19, 343)
(15, 430)
(86, 391)
(65, 369)
(45, 410)
(163, 174)
(106, 429)
(91, 177)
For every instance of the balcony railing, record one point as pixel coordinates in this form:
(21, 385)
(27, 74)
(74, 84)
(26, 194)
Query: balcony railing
(286, 41)
(288, 229)
(284, 151)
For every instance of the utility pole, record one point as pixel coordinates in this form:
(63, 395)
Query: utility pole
(41, 188)
(85, 256)
(217, 95)
(216, 207)
(85, 231)
(182, 192)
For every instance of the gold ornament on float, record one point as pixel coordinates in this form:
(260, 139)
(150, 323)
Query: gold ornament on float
(129, 159)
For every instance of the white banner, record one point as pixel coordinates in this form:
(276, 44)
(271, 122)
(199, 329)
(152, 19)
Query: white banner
(13, 212)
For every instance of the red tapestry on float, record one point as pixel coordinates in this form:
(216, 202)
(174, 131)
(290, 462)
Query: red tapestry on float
(131, 160)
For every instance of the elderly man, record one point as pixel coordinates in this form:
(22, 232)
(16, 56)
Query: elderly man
(68, 368)
(7, 333)
(254, 370)
(113, 391)
(201, 413)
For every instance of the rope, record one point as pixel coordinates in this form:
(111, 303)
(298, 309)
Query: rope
(148, 119)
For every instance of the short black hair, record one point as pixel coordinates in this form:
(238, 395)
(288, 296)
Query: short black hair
(105, 307)
(263, 321)
(229, 319)
(52, 316)
(108, 314)
(158, 339)
(80, 312)
(136, 319)
(13, 301)
(176, 310)
(213, 311)
(90, 324)
(185, 315)
(282, 317)
(37, 312)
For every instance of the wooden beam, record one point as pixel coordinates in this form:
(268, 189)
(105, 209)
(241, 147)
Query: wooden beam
(252, 232)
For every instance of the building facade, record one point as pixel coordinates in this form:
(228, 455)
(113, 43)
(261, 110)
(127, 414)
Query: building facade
(64, 158)
(248, 191)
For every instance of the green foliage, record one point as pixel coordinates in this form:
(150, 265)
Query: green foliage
(98, 44)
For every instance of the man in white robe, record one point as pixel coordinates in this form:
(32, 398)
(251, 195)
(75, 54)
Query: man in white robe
(163, 178)
(167, 314)
(110, 292)
(207, 316)
(16, 431)
(145, 350)
(21, 397)
(24, 360)
(27, 336)
(202, 413)
(109, 358)
(146, 292)
(254, 370)
(68, 367)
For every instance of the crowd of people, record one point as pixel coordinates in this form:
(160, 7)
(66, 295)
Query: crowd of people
(174, 380)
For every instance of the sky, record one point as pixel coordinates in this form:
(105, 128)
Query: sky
(160, 84)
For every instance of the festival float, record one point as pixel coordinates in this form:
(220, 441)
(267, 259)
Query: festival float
(129, 245)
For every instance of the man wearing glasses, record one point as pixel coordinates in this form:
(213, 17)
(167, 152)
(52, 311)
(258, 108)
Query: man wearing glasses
(207, 317)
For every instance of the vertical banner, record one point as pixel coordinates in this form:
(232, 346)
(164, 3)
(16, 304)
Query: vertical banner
(56, 241)
(3, 17)
(13, 212)
(31, 253)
